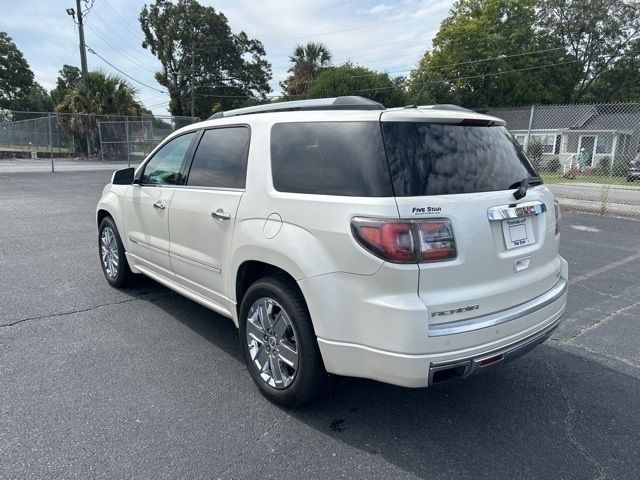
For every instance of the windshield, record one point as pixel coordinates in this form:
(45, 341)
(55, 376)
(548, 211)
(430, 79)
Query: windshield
(439, 159)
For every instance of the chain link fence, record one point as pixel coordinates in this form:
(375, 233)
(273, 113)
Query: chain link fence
(588, 154)
(84, 136)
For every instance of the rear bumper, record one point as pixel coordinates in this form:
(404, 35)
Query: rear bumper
(442, 372)
(455, 356)
(498, 318)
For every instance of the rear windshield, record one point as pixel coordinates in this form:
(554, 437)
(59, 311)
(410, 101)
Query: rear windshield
(330, 158)
(438, 159)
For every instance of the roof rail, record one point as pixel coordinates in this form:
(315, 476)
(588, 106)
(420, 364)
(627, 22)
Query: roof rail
(336, 103)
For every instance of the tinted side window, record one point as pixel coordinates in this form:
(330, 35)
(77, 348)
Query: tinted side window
(221, 158)
(440, 159)
(330, 158)
(164, 167)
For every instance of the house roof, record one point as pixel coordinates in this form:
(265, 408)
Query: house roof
(619, 121)
(571, 117)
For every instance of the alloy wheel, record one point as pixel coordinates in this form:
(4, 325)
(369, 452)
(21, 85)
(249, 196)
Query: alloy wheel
(109, 252)
(272, 341)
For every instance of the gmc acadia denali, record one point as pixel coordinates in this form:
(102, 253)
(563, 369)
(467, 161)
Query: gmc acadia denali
(410, 245)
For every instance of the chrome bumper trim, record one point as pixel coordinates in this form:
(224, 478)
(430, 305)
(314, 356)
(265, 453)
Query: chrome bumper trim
(503, 316)
(469, 366)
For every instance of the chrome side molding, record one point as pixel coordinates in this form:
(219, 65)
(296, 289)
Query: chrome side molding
(526, 209)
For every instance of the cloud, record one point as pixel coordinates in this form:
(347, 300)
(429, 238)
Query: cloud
(381, 7)
(389, 36)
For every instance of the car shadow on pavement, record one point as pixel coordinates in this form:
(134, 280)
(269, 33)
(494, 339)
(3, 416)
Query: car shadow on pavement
(550, 414)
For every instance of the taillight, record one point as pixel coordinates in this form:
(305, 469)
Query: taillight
(406, 241)
(436, 240)
(556, 206)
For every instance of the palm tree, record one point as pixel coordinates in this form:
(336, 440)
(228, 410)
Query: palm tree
(307, 63)
(102, 94)
(99, 94)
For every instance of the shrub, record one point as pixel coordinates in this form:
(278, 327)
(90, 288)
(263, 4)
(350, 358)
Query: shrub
(534, 152)
(603, 167)
(553, 165)
(620, 166)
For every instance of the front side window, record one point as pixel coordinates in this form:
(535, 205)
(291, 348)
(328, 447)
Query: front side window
(442, 159)
(164, 167)
(221, 158)
(330, 158)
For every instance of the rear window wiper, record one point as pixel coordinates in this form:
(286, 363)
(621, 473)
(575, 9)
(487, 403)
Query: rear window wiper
(523, 185)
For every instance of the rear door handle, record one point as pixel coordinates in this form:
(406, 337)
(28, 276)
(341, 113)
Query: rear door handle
(159, 205)
(221, 214)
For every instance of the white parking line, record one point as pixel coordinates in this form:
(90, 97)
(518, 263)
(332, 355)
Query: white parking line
(600, 270)
(584, 228)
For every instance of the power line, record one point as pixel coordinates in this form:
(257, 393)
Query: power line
(118, 51)
(320, 34)
(123, 73)
(307, 27)
(122, 21)
(471, 61)
(474, 76)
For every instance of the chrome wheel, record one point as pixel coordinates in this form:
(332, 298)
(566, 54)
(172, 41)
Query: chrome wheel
(109, 252)
(272, 342)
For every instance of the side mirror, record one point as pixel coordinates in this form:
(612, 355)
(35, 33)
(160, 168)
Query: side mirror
(124, 176)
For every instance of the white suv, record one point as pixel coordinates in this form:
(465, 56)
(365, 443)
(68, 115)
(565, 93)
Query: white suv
(411, 246)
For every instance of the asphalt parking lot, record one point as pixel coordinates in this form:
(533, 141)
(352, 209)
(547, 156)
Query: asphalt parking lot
(143, 383)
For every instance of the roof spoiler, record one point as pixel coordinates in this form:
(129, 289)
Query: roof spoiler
(350, 102)
(443, 106)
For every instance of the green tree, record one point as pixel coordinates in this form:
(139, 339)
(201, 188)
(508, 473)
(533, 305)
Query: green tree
(350, 79)
(16, 78)
(37, 100)
(599, 35)
(307, 63)
(227, 70)
(69, 77)
(482, 56)
(621, 82)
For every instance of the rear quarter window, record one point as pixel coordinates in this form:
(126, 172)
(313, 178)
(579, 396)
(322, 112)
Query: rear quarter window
(330, 158)
(442, 159)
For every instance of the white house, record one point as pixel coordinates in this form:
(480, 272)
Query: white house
(604, 131)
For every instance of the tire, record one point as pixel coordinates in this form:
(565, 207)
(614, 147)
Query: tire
(123, 275)
(292, 387)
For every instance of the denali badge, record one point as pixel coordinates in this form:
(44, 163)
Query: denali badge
(468, 308)
(426, 210)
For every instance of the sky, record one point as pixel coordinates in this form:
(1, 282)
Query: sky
(388, 35)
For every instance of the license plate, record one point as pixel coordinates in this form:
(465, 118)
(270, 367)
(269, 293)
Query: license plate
(518, 232)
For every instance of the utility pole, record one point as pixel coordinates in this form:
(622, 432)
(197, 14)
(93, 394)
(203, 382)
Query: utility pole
(83, 48)
(193, 72)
